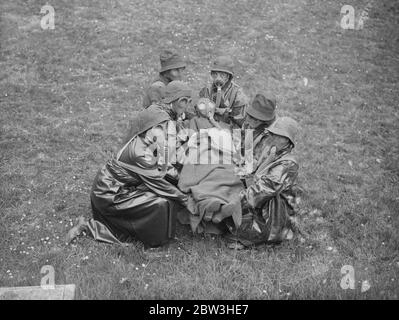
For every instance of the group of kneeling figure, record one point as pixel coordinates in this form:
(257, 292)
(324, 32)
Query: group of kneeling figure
(215, 162)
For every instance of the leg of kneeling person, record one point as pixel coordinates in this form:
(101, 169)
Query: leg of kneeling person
(156, 226)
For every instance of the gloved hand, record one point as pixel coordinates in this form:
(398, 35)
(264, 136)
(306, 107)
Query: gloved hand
(221, 111)
(212, 120)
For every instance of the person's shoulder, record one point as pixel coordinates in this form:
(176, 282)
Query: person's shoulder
(288, 160)
(158, 84)
(156, 107)
(156, 88)
(235, 85)
(240, 94)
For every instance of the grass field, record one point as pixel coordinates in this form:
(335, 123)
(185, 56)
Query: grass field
(66, 97)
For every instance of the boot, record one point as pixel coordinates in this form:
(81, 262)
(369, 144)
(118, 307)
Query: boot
(76, 230)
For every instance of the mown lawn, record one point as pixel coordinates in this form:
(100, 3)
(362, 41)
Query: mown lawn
(66, 97)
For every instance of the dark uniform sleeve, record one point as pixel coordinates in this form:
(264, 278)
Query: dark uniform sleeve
(239, 107)
(204, 93)
(164, 188)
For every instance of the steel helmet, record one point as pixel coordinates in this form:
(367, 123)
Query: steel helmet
(286, 127)
(223, 64)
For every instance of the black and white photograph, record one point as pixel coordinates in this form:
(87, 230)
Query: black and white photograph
(216, 152)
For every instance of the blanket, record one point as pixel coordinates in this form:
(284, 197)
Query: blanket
(213, 186)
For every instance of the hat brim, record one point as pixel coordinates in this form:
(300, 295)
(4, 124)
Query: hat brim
(260, 116)
(180, 94)
(137, 128)
(280, 132)
(173, 66)
(223, 70)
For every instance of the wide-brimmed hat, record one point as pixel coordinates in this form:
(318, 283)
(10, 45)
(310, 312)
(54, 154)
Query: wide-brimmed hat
(286, 127)
(223, 64)
(171, 60)
(175, 90)
(262, 108)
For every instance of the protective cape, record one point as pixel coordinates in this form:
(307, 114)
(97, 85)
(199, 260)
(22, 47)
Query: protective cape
(266, 204)
(130, 198)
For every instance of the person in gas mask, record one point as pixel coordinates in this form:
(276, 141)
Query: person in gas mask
(269, 200)
(230, 100)
(260, 115)
(172, 68)
(134, 196)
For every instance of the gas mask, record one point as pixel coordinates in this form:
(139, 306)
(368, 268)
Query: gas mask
(220, 78)
(205, 107)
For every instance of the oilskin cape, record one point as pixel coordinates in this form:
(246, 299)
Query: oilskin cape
(130, 197)
(267, 209)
